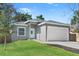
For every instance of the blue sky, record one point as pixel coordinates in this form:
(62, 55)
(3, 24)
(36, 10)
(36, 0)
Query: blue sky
(61, 12)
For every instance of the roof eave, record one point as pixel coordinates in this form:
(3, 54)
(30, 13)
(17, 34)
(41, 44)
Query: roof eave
(44, 23)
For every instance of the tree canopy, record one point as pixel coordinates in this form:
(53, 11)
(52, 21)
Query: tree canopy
(23, 16)
(75, 18)
(8, 10)
(6, 13)
(40, 17)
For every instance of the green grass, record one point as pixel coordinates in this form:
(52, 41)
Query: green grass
(32, 48)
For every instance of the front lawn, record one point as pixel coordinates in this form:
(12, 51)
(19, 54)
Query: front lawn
(32, 48)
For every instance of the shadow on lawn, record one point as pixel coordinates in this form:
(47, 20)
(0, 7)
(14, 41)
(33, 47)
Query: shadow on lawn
(66, 48)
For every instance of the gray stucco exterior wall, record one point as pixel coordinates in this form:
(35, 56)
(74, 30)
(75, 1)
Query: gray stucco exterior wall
(42, 35)
(53, 33)
(14, 34)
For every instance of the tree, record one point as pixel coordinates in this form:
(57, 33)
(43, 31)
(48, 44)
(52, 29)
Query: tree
(75, 21)
(6, 12)
(40, 17)
(73, 7)
(23, 17)
(75, 18)
(9, 10)
(4, 29)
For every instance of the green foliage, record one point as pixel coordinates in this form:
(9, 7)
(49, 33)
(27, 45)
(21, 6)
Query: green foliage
(40, 17)
(6, 12)
(76, 30)
(32, 48)
(8, 9)
(75, 21)
(75, 18)
(3, 26)
(23, 17)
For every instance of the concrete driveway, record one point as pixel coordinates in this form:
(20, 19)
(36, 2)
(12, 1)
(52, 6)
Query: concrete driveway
(74, 45)
(70, 46)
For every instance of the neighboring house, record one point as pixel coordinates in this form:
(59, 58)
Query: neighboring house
(41, 30)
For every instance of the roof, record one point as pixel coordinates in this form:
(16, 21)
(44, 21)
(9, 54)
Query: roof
(34, 21)
(54, 23)
(39, 23)
(19, 23)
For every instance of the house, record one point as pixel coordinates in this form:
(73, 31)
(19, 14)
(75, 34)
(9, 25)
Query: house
(41, 30)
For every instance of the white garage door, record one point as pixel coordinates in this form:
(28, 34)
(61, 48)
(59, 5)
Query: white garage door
(55, 33)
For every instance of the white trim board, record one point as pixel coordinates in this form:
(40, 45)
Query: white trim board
(18, 31)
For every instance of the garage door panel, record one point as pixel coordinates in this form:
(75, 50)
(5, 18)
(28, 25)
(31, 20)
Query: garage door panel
(57, 33)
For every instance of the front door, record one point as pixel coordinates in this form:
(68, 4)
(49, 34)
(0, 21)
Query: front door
(32, 33)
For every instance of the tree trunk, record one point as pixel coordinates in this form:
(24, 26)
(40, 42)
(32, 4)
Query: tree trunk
(5, 45)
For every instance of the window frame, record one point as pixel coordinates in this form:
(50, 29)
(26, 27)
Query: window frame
(31, 31)
(18, 31)
(38, 30)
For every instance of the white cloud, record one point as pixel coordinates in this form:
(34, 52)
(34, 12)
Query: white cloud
(24, 10)
(53, 4)
(50, 3)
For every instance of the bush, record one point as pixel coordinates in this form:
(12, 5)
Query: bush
(8, 39)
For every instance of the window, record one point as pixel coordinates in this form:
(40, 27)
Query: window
(31, 32)
(38, 30)
(21, 31)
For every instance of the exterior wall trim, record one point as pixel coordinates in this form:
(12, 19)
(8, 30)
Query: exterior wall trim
(18, 31)
(54, 25)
